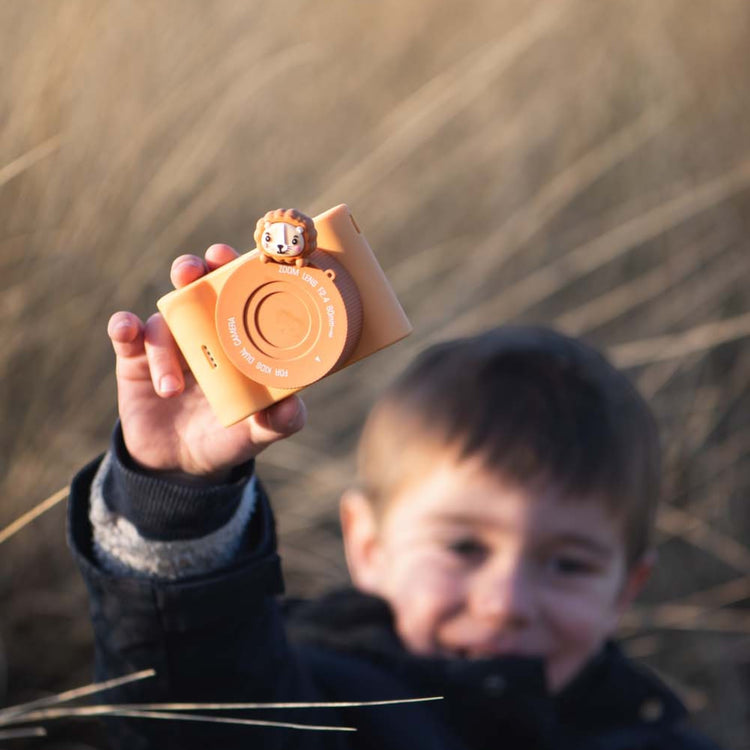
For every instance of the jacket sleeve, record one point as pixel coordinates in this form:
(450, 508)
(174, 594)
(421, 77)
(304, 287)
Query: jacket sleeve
(216, 637)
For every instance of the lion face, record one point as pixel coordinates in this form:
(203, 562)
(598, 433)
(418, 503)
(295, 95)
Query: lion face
(286, 236)
(282, 240)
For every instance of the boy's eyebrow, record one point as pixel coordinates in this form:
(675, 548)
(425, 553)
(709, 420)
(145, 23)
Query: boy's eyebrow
(581, 540)
(457, 517)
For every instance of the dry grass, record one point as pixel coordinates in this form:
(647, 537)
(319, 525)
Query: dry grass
(63, 706)
(581, 164)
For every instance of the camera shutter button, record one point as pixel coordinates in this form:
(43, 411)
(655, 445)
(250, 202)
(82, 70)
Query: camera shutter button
(285, 326)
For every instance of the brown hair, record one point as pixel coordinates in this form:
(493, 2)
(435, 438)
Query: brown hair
(535, 407)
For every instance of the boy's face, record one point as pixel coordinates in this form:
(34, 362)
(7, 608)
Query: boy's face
(476, 568)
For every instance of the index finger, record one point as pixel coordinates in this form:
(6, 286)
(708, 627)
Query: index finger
(125, 331)
(187, 268)
(219, 255)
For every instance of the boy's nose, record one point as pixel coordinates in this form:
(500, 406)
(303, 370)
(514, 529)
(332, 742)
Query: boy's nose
(502, 594)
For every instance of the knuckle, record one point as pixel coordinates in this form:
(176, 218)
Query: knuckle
(188, 261)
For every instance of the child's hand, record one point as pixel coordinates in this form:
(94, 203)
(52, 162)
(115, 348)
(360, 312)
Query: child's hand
(166, 421)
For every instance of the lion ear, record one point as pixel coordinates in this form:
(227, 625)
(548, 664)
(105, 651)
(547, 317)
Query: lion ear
(299, 230)
(267, 225)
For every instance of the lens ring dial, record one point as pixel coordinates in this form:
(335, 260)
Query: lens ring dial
(286, 327)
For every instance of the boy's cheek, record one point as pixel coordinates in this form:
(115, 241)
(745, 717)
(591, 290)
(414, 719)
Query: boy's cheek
(429, 594)
(576, 635)
(421, 604)
(579, 618)
(414, 627)
(414, 572)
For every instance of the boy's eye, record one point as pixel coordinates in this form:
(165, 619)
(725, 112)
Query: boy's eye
(570, 566)
(467, 548)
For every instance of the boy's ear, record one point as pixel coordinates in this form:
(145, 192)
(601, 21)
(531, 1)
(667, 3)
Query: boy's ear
(361, 543)
(636, 579)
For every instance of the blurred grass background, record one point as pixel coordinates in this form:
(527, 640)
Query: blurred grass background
(579, 164)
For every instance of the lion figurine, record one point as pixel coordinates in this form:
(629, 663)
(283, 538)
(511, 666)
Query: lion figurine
(285, 236)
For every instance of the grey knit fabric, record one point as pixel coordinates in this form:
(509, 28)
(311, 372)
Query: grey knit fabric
(121, 550)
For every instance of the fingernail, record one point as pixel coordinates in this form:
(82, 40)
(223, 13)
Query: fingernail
(190, 263)
(122, 325)
(169, 384)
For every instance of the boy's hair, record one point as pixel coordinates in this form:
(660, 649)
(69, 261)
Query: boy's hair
(536, 408)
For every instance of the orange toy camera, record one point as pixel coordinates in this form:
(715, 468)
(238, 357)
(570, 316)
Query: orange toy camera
(254, 331)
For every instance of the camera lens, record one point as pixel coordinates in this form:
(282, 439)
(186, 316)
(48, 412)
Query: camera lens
(281, 317)
(286, 326)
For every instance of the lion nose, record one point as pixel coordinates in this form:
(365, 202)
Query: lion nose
(281, 247)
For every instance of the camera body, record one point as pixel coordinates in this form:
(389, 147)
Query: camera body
(253, 331)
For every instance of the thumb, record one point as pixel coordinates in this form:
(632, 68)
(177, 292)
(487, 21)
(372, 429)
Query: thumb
(278, 421)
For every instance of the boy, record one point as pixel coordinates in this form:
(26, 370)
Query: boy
(507, 487)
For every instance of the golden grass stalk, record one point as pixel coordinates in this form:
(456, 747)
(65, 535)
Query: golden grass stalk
(33, 514)
(562, 189)
(29, 159)
(75, 693)
(657, 376)
(547, 280)
(61, 713)
(628, 296)
(695, 530)
(19, 734)
(226, 720)
(686, 617)
(298, 704)
(725, 402)
(696, 339)
(47, 709)
(135, 712)
(723, 595)
(437, 102)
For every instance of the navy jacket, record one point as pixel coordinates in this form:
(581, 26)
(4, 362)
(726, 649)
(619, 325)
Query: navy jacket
(227, 637)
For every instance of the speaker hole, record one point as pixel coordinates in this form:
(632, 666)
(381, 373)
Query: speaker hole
(209, 357)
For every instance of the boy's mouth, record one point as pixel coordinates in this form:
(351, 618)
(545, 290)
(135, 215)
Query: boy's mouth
(488, 651)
